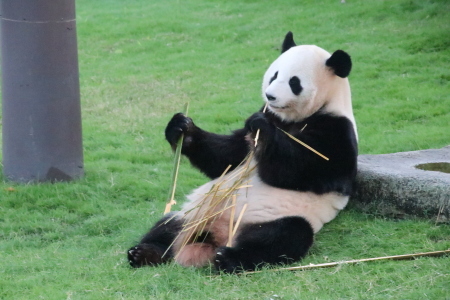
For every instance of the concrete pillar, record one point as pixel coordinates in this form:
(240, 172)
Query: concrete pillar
(41, 115)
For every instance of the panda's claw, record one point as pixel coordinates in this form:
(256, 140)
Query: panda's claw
(146, 254)
(136, 257)
(226, 261)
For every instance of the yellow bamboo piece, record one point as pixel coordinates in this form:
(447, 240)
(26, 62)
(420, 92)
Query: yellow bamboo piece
(206, 218)
(239, 219)
(355, 261)
(257, 132)
(230, 227)
(304, 145)
(170, 200)
(220, 198)
(303, 128)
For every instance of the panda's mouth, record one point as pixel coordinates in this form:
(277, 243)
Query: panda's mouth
(278, 107)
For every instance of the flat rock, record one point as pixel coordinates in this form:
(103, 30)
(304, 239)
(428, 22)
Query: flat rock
(405, 183)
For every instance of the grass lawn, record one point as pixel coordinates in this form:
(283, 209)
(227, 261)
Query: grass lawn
(140, 61)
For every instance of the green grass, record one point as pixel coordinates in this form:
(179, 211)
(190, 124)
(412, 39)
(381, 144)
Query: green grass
(140, 61)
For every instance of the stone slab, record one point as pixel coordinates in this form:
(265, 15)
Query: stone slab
(392, 184)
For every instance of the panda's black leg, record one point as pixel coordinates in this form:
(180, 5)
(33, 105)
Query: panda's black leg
(153, 249)
(281, 241)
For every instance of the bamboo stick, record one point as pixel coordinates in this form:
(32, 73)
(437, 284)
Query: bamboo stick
(220, 198)
(355, 261)
(230, 227)
(303, 128)
(176, 167)
(257, 132)
(239, 220)
(304, 145)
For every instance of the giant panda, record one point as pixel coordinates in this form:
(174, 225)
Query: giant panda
(292, 190)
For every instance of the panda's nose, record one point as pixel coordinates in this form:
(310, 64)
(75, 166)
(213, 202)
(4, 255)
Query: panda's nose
(270, 97)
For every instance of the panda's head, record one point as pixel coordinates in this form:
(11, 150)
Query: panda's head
(305, 79)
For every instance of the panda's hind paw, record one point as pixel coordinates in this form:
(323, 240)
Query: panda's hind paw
(226, 261)
(145, 254)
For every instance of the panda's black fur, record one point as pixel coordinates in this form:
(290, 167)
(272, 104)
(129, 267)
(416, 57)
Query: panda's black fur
(212, 153)
(283, 167)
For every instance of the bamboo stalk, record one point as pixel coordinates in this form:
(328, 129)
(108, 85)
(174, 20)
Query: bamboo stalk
(303, 128)
(355, 261)
(257, 132)
(176, 167)
(304, 145)
(239, 220)
(217, 201)
(197, 223)
(230, 227)
(220, 198)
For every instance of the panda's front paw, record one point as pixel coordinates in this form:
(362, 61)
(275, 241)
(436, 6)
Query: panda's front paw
(226, 261)
(179, 124)
(259, 121)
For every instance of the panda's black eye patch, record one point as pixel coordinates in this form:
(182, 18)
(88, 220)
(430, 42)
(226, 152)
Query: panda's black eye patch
(295, 85)
(273, 77)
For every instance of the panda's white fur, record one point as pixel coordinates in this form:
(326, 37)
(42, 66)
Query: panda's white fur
(314, 190)
(264, 203)
(321, 86)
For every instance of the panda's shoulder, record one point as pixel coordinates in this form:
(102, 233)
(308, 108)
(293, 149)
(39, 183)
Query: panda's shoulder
(332, 131)
(329, 122)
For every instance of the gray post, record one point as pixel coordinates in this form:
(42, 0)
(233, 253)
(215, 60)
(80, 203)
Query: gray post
(40, 87)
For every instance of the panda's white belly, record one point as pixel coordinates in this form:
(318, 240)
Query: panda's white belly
(264, 203)
(267, 203)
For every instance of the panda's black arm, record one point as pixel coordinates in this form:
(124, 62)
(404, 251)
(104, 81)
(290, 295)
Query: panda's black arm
(284, 163)
(212, 153)
(209, 152)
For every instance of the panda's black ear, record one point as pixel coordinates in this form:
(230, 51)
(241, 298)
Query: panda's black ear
(341, 63)
(288, 42)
